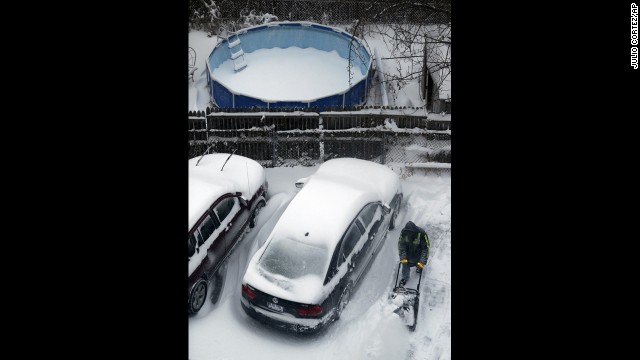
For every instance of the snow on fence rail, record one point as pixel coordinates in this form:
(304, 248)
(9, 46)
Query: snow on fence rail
(290, 138)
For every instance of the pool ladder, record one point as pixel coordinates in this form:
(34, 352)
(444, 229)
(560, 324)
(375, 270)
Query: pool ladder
(237, 54)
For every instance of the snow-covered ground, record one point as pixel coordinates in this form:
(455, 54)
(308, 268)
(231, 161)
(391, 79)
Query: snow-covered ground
(368, 328)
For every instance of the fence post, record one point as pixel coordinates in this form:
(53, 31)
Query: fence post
(274, 152)
(383, 158)
(206, 126)
(321, 139)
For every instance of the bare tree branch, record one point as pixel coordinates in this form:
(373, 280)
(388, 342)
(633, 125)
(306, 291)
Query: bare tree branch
(416, 48)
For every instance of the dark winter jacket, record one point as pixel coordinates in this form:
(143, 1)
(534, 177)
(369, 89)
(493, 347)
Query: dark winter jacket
(413, 244)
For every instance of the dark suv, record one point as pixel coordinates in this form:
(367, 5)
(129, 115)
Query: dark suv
(225, 194)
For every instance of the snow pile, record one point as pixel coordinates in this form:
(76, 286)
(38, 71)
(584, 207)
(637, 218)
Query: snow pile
(417, 150)
(430, 165)
(376, 334)
(390, 124)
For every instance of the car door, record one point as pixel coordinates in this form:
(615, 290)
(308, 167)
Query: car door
(231, 219)
(372, 217)
(352, 253)
(206, 240)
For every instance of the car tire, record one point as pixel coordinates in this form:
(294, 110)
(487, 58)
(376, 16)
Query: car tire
(256, 211)
(345, 297)
(197, 296)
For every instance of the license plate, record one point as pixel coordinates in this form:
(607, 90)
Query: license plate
(275, 307)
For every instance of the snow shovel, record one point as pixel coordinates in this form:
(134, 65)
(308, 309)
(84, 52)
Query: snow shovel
(407, 300)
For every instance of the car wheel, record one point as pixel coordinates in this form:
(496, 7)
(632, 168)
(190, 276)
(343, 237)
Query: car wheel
(344, 300)
(256, 211)
(197, 296)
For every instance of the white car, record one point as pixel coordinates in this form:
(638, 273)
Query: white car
(225, 193)
(322, 246)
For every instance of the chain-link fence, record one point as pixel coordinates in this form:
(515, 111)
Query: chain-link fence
(340, 12)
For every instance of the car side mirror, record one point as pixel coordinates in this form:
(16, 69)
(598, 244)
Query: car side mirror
(300, 182)
(243, 200)
(386, 208)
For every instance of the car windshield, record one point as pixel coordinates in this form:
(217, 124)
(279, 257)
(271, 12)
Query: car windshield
(293, 259)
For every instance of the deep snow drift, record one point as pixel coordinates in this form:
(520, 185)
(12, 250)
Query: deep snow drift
(368, 328)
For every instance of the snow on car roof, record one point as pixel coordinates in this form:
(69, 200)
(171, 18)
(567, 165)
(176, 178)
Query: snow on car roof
(332, 197)
(207, 182)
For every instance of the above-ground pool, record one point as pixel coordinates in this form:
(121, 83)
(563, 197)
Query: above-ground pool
(290, 64)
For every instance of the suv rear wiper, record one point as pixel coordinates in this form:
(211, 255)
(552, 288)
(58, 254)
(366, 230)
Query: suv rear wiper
(225, 162)
(203, 154)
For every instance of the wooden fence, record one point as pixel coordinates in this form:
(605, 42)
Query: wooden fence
(290, 137)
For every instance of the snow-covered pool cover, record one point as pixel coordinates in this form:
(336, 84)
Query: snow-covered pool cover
(207, 182)
(323, 208)
(289, 64)
(291, 74)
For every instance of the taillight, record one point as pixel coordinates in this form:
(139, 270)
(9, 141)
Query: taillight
(248, 291)
(312, 310)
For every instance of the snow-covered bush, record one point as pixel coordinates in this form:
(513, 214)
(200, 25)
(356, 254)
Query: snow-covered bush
(325, 19)
(443, 155)
(252, 19)
(204, 15)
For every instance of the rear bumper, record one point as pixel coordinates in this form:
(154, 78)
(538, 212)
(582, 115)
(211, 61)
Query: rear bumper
(285, 321)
